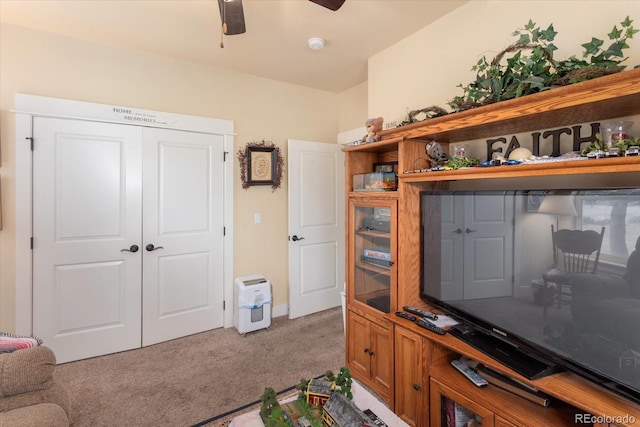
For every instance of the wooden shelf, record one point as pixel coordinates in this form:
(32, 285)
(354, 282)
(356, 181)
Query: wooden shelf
(376, 234)
(387, 144)
(376, 194)
(616, 95)
(519, 410)
(576, 167)
(373, 268)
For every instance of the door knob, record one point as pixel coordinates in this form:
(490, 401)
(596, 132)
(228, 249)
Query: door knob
(296, 238)
(132, 248)
(468, 230)
(416, 386)
(150, 247)
(458, 231)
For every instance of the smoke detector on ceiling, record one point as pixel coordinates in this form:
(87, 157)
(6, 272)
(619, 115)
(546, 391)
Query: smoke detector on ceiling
(315, 43)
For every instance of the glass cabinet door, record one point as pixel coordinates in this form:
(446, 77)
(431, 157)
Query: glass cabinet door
(451, 409)
(373, 254)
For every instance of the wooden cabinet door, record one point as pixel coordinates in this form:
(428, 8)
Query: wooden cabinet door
(370, 355)
(501, 422)
(382, 360)
(409, 390)
(358, 346)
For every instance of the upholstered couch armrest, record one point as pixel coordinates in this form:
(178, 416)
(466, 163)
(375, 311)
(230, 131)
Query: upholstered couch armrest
(586, 288)
(600, 285)
(43, 414)
(26, 370)
(57, 394)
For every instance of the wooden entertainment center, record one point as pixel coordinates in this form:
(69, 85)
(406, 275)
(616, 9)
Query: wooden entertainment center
(409, 366)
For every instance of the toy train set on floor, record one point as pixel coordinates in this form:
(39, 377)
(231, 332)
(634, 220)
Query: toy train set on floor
(322, 402)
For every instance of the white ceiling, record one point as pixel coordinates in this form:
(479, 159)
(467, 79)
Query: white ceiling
(274, 46)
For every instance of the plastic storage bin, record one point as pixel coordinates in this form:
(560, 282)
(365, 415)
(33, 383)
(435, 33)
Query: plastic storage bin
(375, 181)
(252, 296)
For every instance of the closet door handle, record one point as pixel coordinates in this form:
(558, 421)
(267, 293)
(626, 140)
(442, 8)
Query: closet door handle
(468, 230)
(151, 248)
(132, 248)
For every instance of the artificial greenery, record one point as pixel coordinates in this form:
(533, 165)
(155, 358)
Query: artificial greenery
(599, 61)
(343, 382)
(621, 144)
(532, 67)
(429, 113)
(461, 162)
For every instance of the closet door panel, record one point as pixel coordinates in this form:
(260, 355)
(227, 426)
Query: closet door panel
(183, 199)
(87, 210)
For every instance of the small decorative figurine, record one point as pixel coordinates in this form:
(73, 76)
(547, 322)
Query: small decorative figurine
(436, 154)
(374, 126)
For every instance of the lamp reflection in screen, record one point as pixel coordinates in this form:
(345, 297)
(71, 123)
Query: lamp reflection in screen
(560, 205)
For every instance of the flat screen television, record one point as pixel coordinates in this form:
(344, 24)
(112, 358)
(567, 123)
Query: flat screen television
(495, 261)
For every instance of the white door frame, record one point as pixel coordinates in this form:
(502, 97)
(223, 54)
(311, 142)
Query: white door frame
(29, 106)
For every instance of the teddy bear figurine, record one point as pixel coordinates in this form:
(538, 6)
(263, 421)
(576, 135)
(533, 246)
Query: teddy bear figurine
(373, 127)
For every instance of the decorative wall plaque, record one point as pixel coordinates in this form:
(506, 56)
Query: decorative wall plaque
(261, 163)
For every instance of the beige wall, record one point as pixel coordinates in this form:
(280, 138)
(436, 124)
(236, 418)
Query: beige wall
(48, 65)
(352, 108)
(426, 68)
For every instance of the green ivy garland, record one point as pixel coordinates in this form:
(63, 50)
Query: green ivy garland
(531, 68)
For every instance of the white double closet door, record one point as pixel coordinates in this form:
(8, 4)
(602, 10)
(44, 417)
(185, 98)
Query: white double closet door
(127, 235)
(477, 246)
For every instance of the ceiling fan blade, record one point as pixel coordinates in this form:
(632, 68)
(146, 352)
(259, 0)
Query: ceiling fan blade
(232, 16)
(330, 4)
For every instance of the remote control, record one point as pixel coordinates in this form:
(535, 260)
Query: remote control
(406, 315)
(420, 313)
(430, 326)
(469, 373)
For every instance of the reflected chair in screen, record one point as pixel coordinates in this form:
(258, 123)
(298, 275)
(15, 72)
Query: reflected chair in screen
(574, 251)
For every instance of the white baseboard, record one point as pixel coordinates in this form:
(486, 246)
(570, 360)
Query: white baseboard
(280, 310)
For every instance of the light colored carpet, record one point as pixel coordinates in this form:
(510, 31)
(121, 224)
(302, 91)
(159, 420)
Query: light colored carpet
(188, 380)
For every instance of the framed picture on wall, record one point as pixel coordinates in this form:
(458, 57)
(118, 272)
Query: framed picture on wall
(262, 165)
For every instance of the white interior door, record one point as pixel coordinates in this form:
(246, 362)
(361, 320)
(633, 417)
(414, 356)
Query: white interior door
(86, 220)
(183, 221)
(316, 226)
(488, 259)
